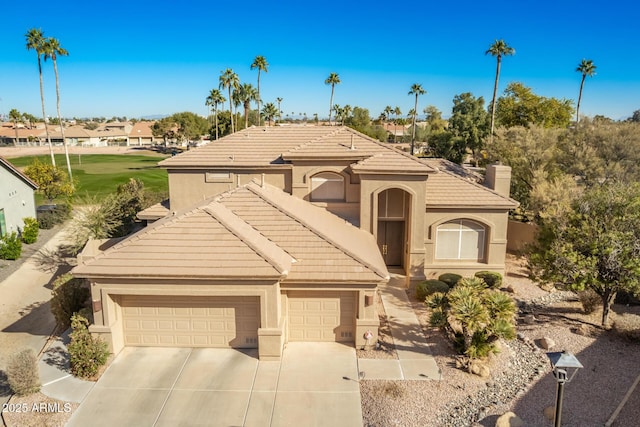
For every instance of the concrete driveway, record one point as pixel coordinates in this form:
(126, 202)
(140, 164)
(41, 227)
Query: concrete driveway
(315, 384)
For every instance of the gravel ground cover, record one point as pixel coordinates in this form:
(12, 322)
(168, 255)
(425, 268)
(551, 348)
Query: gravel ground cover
(521, 379)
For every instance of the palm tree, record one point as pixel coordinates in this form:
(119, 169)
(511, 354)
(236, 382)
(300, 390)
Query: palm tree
(247, 93)
(270, 111)
(35, 41)
(229, 80)
(15, 116)
(388, 111)
(498, 49)
(587, 68)
(332, 80)
(279, 100)
(346, 112)
(52, 49)
(215, 97)
(397, 111)
(416, 89)
(261, 64)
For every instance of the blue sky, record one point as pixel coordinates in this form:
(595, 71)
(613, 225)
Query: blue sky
(139, 58)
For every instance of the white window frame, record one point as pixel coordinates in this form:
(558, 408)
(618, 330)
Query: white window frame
(464, 226)
(324, 178)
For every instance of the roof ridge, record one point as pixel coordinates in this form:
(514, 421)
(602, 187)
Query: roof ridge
(277, 257)
(255, 188)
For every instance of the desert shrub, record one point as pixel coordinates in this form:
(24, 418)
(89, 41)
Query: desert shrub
(473, 317)
(22, 373)
(69, 296)
(46, 220)
(493, 279)
(87, 353)
(590, 300)
(10, 246)
(627, 325)
(428, 287)
(451, 279)
(30, 231)
(58, 214)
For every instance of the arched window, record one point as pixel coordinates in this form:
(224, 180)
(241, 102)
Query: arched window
(327, 187)
(460, 239)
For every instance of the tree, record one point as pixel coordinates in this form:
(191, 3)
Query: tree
(261, 64)
(498, 49)
(519, 106)
(469, 122)
(596, 245)
(586, 68)
(229, 80)
(332, 80)
(215, 97)
(52, 181)
(388, 111)
(635, 117)
(269, 111)
(35, 40)
(15, 116)
(191, 127)
(397, 111)
(51, 50)
(416, 89)
(246, 94)
(279, 100)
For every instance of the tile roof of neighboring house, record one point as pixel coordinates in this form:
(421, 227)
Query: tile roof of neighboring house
(142, 130)
(22, 132)
(248, 232)
(74, 131)
(8, 166)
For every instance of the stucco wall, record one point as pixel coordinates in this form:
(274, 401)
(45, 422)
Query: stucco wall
(16, 198)
(519, 235)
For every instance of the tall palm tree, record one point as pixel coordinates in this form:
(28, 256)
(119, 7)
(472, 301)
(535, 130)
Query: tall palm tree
(246, 94)
(215, 97)
(229, 80)
(15, 116)
(279, 100)
(397, 111)
(346, 112)
(35, 41)
(416, 89)
(259, 62)
(587, 68)
(339, 111)
(498, 49)
(52, 49)
(333, 80)
(269, 111)
(388, 111)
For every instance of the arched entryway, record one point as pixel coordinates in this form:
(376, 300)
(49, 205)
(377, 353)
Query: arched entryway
(393, 225)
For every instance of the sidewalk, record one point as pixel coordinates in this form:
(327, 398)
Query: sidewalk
(415, 361)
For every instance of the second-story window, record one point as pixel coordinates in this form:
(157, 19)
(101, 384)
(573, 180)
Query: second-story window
(327, 187)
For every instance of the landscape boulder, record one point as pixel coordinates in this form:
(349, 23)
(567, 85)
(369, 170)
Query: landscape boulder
(509, 419)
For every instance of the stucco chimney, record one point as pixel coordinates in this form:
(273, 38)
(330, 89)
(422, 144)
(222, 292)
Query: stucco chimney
(498, 178)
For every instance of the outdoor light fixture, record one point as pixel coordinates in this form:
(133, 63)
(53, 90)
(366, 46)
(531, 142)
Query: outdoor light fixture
(565, 366)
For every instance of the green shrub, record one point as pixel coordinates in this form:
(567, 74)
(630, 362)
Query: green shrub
(491, 278)
(87, 353)
(451, 279)
(22, 373)
(46, 220)
(69, 296)
(428, 287)
(590, 300)
(30, 231)
(10, 246)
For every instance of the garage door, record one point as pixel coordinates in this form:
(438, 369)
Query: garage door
(321, 316)
(176, 321)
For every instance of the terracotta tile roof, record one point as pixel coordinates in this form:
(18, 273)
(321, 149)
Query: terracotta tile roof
(141, 129)
(12, 169)
(249, 232)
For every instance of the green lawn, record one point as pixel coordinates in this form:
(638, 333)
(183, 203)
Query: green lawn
(100, 174)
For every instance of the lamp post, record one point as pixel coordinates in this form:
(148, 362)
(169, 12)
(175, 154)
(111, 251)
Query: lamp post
(562, 363)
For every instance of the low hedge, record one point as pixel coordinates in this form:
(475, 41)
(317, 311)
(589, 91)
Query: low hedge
(451, 279)
(428, 287)
(493, 279)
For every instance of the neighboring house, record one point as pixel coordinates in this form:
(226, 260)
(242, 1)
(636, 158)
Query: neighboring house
(16, 198)
(282, 234)
(141, 134)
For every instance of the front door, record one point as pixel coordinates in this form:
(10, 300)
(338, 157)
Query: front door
(390, 240)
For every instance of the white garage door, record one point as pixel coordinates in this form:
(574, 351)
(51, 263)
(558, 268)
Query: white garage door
(180, 321)
(321, 316)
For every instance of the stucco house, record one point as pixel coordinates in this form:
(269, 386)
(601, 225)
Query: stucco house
(277, 234)
(16, 198)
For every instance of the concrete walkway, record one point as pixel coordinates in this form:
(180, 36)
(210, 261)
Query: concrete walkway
(415, 361)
